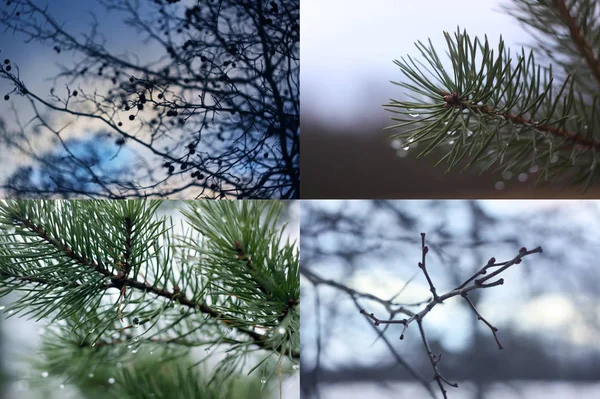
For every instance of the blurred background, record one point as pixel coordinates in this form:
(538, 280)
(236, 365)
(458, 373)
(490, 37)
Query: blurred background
(547, 311)
(347, 52)
(21, 355)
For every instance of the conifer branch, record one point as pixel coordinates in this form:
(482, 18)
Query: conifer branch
(58, 245)
(502, 111)
(67, 257)
(583, 46)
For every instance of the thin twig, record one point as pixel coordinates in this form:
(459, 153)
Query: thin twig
(472, 283)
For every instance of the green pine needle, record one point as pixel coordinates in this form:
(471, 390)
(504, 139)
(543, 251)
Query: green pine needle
(495, 109)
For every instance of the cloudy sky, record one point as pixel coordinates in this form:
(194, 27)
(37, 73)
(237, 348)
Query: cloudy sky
(38, 63)
(553, 312)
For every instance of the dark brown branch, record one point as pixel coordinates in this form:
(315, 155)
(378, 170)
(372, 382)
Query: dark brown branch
(472, 283)
(391, 307)
(243, 256)
(583, 142)
(424, 251)
(438, 377)
(480, 317)
(65, 249)
(579, 40)
(317, 280)
(121, 281)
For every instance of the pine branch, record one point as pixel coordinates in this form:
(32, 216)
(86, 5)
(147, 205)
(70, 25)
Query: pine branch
(567, 33)
(474, 282)
(69, 258)
(498, 110)
(577, 35)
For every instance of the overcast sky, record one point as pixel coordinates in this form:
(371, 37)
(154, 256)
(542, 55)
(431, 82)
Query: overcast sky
(553, 311)
(348, 47)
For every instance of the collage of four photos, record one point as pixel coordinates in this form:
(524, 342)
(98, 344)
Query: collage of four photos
(167, 232)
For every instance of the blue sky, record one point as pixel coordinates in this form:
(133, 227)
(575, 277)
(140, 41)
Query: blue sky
(38, 63)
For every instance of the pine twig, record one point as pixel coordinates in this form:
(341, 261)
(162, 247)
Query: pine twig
(583, 46)
(121, 282)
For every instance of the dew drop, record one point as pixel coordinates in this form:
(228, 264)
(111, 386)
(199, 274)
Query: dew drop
(111, 380)
(129, 346)
(2, 307)
(91, 375)
(62, 386)
(451, 142)
(296, 366)
(499, 185)
(134, 351)
(397, 144)
(11, 311)
(281, 331)
(93, 344)
(92, 330)
(45, 374)
(554, 159)
(152, 352)
(263, 380)
(406, 148)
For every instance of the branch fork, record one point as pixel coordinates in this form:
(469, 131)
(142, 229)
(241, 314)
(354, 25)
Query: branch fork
(473, 283)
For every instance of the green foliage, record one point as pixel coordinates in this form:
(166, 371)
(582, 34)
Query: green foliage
(252, 274)
(555, 40)
(503, 110)
(117, 283)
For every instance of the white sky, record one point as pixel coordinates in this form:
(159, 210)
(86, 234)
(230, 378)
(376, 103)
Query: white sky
(348, 47)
